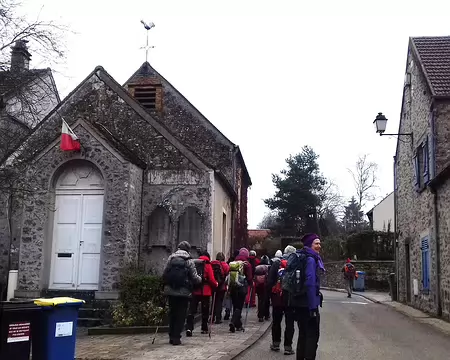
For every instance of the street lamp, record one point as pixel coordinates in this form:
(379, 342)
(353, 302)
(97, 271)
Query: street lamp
(380, 123)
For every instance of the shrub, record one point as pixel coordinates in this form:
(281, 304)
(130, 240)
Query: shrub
(141, 300)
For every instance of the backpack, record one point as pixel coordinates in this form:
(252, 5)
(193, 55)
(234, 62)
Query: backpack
(236, 278)
(218, 273)
(261, 273)
(200, 267)
(295, 275)
(350, 271)
(277, 288)
(177, 273)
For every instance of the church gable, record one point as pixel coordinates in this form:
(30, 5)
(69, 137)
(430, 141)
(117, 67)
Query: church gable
(173, 110)
(98, 102)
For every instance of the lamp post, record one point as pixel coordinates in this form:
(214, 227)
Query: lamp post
(380, 123)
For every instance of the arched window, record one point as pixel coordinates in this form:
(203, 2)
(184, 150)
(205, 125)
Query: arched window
(190, 227)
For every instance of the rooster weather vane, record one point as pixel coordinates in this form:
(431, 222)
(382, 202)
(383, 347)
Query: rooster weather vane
(147, 27)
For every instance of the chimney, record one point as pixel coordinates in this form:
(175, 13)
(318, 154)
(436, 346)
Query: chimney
(20, 57)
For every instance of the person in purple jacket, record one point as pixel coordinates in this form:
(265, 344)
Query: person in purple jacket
(306, 309)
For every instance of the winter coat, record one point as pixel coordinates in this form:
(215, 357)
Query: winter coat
(272, 279)
(225, 272)
(254, 262)
(312, 278)
(209, 282)
(194, 279)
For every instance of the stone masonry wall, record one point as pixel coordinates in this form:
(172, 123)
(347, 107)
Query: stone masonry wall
(36, 241)
(376, 278)
(175, 198)
(414, 209)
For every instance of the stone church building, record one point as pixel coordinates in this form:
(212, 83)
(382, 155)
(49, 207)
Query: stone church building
(152, 171)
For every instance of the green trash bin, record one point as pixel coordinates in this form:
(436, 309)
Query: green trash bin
(18, 322)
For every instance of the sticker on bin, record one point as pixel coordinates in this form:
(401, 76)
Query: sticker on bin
(18, 332)
(64, 329)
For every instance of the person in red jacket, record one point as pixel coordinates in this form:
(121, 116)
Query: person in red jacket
(219, 265)
(202, 294)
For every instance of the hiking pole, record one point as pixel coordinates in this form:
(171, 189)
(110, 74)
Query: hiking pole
(246, 314)
(212, 313)
(156, 332)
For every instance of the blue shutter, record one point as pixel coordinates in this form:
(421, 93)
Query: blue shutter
(426, 162)
(425, 263)
(416, 172)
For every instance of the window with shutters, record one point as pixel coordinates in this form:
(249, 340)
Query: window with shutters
(421, 166)
(425, 249)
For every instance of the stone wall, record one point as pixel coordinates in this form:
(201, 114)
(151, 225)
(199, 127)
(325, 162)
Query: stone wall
(376, 278)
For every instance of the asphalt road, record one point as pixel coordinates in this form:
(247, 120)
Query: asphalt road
(359, 329)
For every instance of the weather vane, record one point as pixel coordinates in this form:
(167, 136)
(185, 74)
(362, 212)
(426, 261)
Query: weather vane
(147, 27)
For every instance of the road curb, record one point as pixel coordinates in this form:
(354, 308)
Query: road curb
(356, 293)
(247, 343)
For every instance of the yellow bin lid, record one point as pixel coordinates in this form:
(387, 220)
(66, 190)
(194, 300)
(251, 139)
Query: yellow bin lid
(58, 301)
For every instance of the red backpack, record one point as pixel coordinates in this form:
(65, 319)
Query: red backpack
(350, 271)
(277, 289)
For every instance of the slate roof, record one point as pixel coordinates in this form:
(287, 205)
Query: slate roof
(10, 81)
(434, 56)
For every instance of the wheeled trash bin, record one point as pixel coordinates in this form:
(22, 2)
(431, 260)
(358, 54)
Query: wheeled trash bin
(17, 321)
(359, 284)
(56, 338)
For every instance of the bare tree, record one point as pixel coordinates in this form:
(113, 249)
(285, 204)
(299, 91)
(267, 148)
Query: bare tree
(330, 200)
(269, 221)
(364, 179)
(45, 37)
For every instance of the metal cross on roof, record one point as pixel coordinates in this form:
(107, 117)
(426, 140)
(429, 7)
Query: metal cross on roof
(147, 27)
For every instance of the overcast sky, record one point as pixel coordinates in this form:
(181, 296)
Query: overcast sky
(271, 75)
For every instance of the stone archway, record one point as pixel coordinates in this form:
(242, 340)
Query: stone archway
(77, 227)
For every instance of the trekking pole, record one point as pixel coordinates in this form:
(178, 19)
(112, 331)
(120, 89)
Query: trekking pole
(246, 314)
(212, 313)
(156, 332)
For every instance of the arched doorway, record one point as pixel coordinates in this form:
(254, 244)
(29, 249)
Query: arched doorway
(77, 227)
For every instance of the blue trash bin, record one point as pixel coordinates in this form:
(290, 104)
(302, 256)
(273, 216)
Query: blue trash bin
(56, 338)
(359, 284)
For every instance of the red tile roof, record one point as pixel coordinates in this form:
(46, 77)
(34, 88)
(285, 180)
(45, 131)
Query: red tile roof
(434, 55)
(260, 233)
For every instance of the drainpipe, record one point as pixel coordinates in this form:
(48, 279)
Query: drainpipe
(396, 249)
(142, 216)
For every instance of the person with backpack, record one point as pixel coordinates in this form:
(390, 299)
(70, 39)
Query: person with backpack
(227, 300)
(180, 276)
(254, 262)
(201, 294)
(221, 270)
(239, 279)
(350, 275)
(301, 284)
(274, 283)
(260, 280)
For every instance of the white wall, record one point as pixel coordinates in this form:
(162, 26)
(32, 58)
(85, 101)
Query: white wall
(222, 205)
(383, 214)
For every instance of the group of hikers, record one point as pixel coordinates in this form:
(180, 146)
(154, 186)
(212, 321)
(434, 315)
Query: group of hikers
(289, 282)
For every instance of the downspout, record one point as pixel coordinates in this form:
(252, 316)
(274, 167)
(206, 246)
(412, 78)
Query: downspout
(234, 212)
(396, 231)
(436, 220)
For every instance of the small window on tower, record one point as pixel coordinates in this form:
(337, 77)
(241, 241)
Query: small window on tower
(146, 95)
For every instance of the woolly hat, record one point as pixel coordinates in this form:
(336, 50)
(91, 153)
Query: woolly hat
(184, 245)
(348, 261)
(243, 252)
(289, 250)
(252, 253)
(308, 239)
(279, 254)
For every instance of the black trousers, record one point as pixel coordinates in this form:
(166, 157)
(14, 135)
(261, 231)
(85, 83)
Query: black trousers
(263, 302)
(238, 300)
(196, 299)
(177, 314)
(308, 334)
(277, 318)
(218, 305)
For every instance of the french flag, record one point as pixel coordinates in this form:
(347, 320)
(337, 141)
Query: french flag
(69, 141)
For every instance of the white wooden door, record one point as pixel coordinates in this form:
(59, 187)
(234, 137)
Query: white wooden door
(77, 229)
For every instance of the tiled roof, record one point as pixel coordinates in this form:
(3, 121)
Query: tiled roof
(434, 55)
(11, 81)
(261, 234)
